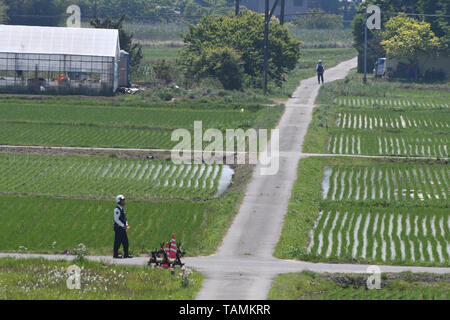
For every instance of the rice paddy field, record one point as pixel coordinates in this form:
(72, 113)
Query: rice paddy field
(394, 132)
(387, 182)
(402, 120)
(49, 224)
(403, 286)
(416, 103)
(54, 202)
(369, 211)
(398, 236)
(97, 177)
(128, 123)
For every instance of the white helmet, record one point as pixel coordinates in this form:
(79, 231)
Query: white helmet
(120, 198)
(320, 61)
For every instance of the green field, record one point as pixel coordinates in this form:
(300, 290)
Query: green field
(387, 182)
(417, 145)
(402, 286)
(148, 33)
(405, 103)
(368, 211)
(152, 54)
(37, 279)
(397, 236)
(128, 123)
(333, 38)
(404, 120)
(97, 177)
(54, 225)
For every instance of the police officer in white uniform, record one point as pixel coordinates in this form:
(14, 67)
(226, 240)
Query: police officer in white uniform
(120, 229)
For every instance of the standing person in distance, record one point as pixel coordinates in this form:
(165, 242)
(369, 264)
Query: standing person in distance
(120, 229)
(320, 71)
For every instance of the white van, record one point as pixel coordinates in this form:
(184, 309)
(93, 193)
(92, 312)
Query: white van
(380, 67)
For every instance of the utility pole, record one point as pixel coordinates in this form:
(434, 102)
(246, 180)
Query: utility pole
(365, 47)
(236, 8)
(268, 16)
(266, 44)
(283, 4)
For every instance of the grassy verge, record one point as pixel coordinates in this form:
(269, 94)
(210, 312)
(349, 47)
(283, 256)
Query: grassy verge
(38, 279)
(312, 38)
(402, 286)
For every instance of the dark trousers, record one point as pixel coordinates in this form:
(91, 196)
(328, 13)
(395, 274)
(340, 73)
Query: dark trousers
(319, 77)
(120, 238)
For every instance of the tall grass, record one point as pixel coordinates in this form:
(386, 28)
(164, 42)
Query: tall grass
(404, 286)
(153, 33)
(31, 279)
(340, 38)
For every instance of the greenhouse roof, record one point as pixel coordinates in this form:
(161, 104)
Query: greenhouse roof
(56, 40)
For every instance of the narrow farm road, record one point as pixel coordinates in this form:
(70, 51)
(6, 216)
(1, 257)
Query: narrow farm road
(256, 228)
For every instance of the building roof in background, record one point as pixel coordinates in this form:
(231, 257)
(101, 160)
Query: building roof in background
(56, 40)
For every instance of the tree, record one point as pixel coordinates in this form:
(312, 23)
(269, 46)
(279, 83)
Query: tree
(439, 25)
(153, 11)
(224, 64)
(125, 38)
(374, 49)
(163, 71)
(318, 19)
(3, 10)
(408, 38)
(245, 35)
(36, 12)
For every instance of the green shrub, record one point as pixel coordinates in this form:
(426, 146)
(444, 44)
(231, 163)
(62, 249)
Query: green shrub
(164, 71)
(165, 94)
(224, 64)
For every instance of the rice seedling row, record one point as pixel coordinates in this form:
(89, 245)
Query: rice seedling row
(386, 182)
(382, 235)
(389, 144)
(104, 177)
(83, 136)
(436, 121)
(392, 103)
(121, 116)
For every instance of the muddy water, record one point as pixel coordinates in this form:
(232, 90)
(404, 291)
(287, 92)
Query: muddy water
(326, 181)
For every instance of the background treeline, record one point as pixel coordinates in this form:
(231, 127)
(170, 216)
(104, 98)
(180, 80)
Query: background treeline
(391, 8)
(52, 12)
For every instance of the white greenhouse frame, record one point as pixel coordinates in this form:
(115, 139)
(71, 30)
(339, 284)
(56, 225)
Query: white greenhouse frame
(63, 60)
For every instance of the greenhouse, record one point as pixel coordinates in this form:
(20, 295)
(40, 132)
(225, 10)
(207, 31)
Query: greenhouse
(60, 60)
